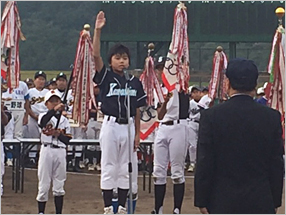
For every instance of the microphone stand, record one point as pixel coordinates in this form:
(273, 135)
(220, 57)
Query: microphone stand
(131, 146)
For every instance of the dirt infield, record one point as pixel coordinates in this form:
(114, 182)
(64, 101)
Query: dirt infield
(83, 196)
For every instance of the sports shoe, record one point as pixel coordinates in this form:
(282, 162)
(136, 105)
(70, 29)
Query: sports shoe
(9, 162)
(98, 167)
(81, 165)
(191, 167)
(153, 211)
(176, 211)
(91, 167)
(121, 210)
(108, 210)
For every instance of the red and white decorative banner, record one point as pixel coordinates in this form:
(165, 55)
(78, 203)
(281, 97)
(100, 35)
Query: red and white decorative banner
(176, 69)
(217, 87)
(82, 85)
(151, 85)
(276, 69)
(150, 82)
(148, 121)
(10, 35)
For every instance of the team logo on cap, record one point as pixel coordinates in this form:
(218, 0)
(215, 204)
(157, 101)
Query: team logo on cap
(40, 72)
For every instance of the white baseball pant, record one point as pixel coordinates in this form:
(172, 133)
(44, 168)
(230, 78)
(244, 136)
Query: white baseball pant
(170, 145)
(93, 131)
(52, 167)
(77, 133)
(18, 119)
(33, 131)
(115, 148)
(193, 128)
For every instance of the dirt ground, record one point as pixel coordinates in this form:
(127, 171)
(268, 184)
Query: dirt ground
(83, 196)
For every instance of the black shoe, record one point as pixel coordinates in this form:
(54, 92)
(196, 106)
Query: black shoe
(76, 169)
(153, 212)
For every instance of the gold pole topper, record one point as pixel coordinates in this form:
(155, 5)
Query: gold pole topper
(86, 27)
(219, 48)
(280, 13)
(151, 48)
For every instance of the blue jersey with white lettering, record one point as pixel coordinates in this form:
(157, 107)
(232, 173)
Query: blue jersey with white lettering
(113, 93)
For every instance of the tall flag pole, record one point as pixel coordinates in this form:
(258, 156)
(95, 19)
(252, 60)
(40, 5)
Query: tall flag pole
(82, 85)
(217, 90)
(276, 69)
(151, 86)
(176, 69)
(10, 35)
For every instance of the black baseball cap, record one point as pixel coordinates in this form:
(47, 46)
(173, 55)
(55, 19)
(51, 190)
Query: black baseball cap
(205, 89)
(61, 75)
(48, 83)
(242, 74)
(196, 88)
(40, 73)
(29, 80)
(160, 61)
(53, 80)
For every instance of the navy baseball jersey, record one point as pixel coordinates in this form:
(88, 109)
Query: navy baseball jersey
(113, 93)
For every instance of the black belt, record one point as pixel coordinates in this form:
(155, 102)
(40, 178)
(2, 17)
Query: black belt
(119, 120)
(54, 146)
(194, 120)
(171, 122)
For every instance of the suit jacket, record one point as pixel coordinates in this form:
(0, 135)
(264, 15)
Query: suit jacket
(240, 163)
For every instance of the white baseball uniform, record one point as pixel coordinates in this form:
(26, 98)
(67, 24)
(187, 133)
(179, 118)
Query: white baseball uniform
(38, 106)
(52, 161)
(194, 117)
(171, 143)
(19, 96)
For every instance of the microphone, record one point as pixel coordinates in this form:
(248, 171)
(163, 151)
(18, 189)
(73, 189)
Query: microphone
(126, 74)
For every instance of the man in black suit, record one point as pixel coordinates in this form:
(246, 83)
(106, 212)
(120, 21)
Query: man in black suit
(240, 150)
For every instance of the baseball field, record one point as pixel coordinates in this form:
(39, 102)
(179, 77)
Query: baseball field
(83, 195)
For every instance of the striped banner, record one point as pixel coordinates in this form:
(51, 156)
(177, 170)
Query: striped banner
(82, 85)
(216, 86)
(276, 69)
(151, 86)
(176, 69)
(10, 35)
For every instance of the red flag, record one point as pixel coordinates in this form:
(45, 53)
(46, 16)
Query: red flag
(10, 35)
(216, 86)
(276, 69)
(82, 85)
(176, 70)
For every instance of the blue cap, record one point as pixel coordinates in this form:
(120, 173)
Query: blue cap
(242, 73)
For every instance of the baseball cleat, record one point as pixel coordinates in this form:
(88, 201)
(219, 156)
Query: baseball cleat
(81, 165)
(9, 162)
(108, 210)
(91, 167)
(98, 167)
(121, 210)
(191, 167)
